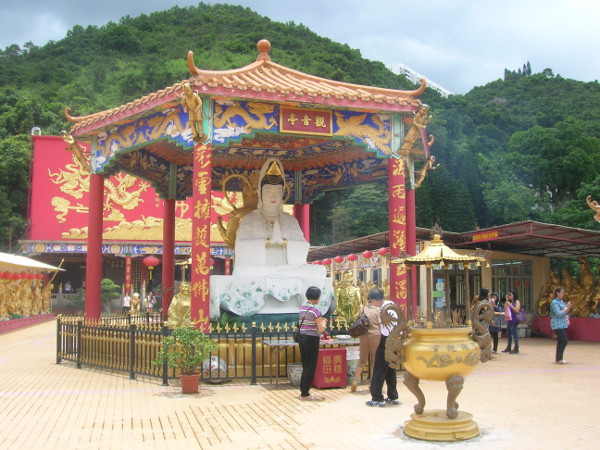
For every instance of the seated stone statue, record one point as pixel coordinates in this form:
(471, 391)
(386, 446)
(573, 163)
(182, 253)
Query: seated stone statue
(270, 242)
(270, 273)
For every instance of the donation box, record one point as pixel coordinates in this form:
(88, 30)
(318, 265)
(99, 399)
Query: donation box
(331, 368)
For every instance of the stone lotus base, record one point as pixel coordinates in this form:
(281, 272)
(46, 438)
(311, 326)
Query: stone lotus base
(433, 425)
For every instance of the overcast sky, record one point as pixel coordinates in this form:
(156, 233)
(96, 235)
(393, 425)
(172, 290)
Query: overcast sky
(458, 44)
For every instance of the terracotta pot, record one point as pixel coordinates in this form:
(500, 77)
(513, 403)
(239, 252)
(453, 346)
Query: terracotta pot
(438, 353)
(189, 383)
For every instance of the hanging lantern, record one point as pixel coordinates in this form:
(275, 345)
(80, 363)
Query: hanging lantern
(16, 276)
(367, 254)
(326, 261)
(352, 257)
(151, 262)
(338, 259)
(3, 274)
(318, 262)
(383, 251)
(39, 276)
(31, 276)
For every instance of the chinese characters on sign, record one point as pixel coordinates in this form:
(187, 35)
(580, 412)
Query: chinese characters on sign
(305, 121)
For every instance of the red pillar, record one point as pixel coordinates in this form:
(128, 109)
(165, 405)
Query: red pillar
(411, 244)
(227, 266)
(200, 269)
(168, 261)
(93, 275)
(302, 213)
(397, 222)
(128, 274)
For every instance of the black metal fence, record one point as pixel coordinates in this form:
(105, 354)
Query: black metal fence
(132, 344)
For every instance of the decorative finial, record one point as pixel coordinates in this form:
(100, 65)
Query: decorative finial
(264, 47)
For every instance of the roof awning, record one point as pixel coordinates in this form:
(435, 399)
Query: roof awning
(17, 263)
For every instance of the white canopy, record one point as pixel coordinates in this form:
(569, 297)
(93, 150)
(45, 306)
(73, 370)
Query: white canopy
(17, 263)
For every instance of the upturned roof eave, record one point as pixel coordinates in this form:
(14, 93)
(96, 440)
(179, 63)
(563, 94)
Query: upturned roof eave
(260, 80)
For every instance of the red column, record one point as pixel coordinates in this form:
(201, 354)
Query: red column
(228, 266)
(128, 274)
(397, 220)
(411, 243)
(93, 275)
(168, 261)
(200, 269)
(302, 213)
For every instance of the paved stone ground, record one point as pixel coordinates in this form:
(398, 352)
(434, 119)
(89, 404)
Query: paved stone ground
(518, 401)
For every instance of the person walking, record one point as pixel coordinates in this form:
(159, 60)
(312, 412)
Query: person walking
(512, 306)
(382, 372)
(496, 326)
(368, 342)
(559, 322)
(312, 324)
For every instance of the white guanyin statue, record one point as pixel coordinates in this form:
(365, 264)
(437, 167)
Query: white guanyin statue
(270, 274)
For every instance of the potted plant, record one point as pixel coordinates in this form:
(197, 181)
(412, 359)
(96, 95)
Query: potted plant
(185, 350)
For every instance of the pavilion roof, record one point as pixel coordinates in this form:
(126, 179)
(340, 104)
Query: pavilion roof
(260, 80)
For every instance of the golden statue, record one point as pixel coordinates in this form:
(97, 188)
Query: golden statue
(135, 302)
(76, 150)
(37, 303)
(584, 299)
(420, 121)
(593, 204)
(429, 165)
(180, 309)
(386, 289)
(349, 299)
(250, 201)
(547, 294)
(192, 104)
(46, 296)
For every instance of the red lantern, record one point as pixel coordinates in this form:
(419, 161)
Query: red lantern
(318, 262)
(338, 259)
(16, 276)
(326, 261)
(31, 276)
(39, 276)
(383, 251)
(3, 274)
(150, 262)
(9, 275)
(367, 254)
(352, 257)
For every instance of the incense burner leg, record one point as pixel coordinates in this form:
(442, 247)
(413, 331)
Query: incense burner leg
(454, 384)
(412, 383)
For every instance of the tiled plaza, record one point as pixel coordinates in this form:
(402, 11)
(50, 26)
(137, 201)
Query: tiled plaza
(519, 401)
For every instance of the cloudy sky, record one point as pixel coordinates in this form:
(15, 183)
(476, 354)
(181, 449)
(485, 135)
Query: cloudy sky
(458, 44)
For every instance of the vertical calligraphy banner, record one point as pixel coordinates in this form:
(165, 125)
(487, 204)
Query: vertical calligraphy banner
(200, 268)
(128, 274)
(397, 219)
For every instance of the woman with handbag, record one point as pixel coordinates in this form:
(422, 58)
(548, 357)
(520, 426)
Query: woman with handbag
(511, 307)
(559, 322)
(368, 342)
(312, 324)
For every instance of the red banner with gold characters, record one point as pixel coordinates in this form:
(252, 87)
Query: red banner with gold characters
(201, 199)
(305, 121)
(397, 222)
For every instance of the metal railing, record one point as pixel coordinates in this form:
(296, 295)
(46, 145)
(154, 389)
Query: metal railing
(132, 347)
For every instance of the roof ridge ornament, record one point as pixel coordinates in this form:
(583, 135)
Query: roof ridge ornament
(264, 47)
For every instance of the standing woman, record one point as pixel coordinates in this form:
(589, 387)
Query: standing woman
(559, 322)
(496, 325)
(513, 306)
(312, 324)
(369, 341)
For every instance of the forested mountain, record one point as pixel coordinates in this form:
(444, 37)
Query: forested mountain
(526, 146)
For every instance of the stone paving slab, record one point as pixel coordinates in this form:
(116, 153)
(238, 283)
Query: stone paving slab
(518, 400)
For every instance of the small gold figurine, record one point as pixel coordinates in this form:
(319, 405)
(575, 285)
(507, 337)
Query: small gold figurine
(192, 104)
